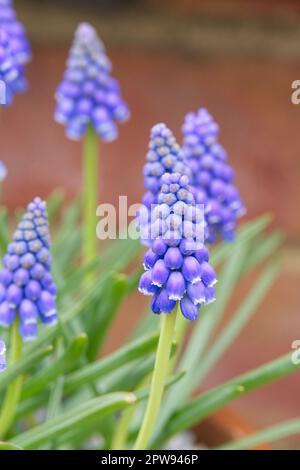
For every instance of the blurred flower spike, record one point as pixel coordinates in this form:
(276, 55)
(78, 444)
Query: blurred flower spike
(88, 95)
(211, 177)
(19, 44)
(12, 78)
(27, 289)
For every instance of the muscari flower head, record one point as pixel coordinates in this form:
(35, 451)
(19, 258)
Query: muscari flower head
(12, 78)
(164, 156)
(18, 41)
(27, 288)
(2, 356)
(3, 172)
(88, 95)
(211, 177)
(177, 263)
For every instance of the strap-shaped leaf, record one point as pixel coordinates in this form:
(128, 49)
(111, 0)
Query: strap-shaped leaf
(23, 365)
(64, 364)
(270, 434)
(200, 408)
(136, 349)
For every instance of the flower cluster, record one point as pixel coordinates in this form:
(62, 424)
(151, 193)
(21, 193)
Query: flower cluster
(18, 41)
(12, 80)
(88, 95)
(211, 177)
(2, 356)
(164, 156)
(27, 288)
(177, 263)
(3, 172)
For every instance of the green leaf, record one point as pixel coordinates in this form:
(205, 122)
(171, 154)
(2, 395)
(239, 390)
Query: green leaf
(67, 241)
(55, 398)
(4, 236)
(23, 365)
(65, 363)
(113, 258)
(69, 221)
(239, 320)
(270, 434)
(202, 332)
(136, 349)
(27, 407)
(87, 413)
(119, 253)
(133, 281)
(9, 446)
(128, 377)
(263, 248)
(54, 203)
(247, 232)
(106, 313)
(86, 429)
(147, 323)
(200, 408)
(212, 315)
(78, 307)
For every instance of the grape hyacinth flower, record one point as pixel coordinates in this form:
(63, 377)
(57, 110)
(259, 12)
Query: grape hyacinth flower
(2, 356)
(88, 95)
(211, 176)
(177, 265)
(164, 156)
(18, 41)
(27, 289)
(12, 79)
(177, 270)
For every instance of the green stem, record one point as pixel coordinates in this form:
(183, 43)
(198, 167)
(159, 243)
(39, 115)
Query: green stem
(180, 331)
(120, 436)
(14, 389)
(90, 191)
(161, 369)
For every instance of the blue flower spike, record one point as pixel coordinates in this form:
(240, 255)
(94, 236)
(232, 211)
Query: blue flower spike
(211, 176)
(11, 78)
(88, 95)
(15, 31)
(2, 356)
(164, 156)
(27, 289)
(177, 265)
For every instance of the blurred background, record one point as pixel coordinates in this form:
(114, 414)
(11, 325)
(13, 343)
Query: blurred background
(237, 59)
